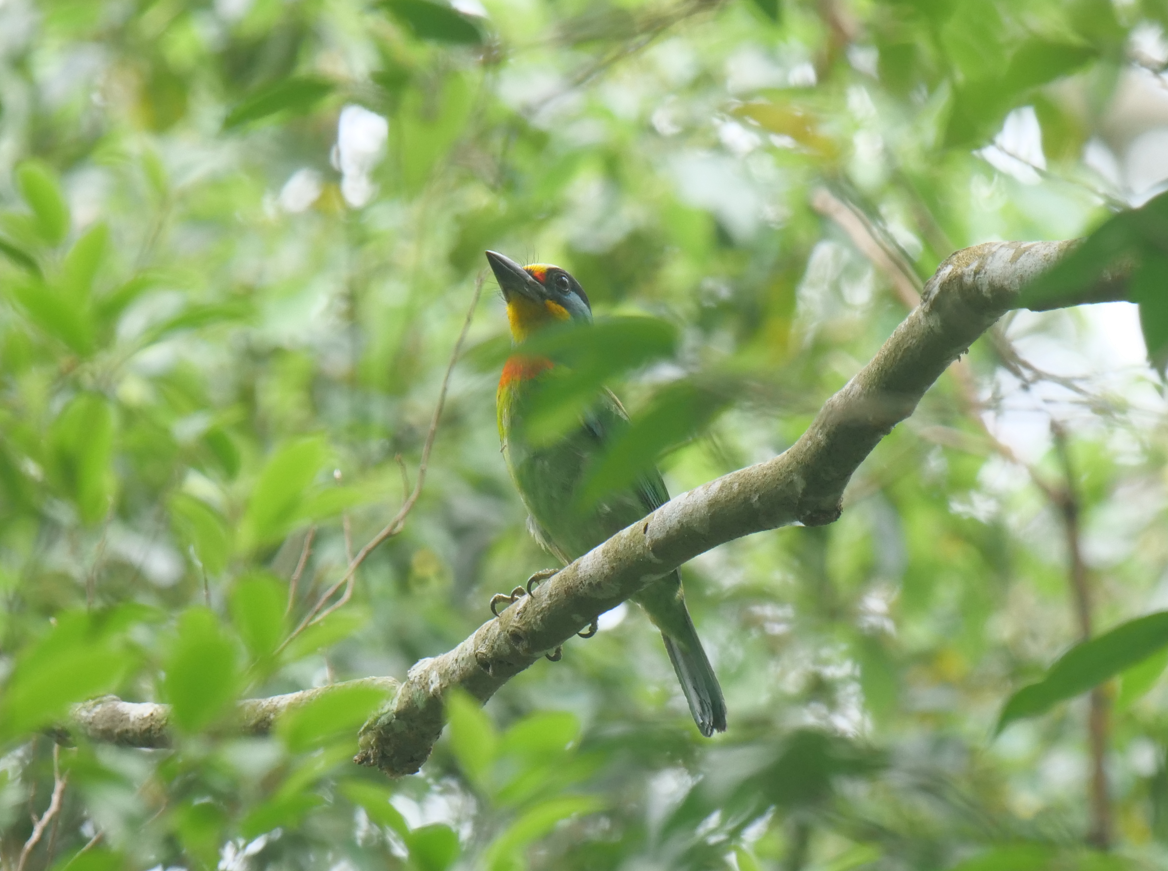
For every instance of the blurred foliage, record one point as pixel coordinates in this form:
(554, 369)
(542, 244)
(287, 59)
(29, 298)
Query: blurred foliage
(237, 242)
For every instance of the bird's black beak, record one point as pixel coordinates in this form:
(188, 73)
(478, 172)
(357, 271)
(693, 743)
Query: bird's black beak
(513, 279)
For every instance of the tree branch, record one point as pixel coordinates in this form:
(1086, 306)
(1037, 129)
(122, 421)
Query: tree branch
(397, 524)
(109, 720)
(968, 293)
(1098, 717)
(39, 824)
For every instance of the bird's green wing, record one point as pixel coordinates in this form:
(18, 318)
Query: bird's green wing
(602, 422)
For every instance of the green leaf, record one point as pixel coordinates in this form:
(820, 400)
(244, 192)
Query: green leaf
(283, 811)
(258, 603)
(534, 824)
(278, 494)
(975, 113)
(201, 676)
(472, 737)
(164, 99)
(1149, 288)
(196, 317)
(78, 659)
(536, 753)
(427, 128)
(374, 798)
(20, 257)
(858, 856)
(223, 449)
(612, 344)
(973, 39)
(1064, 133)
(200, 827)
(82, 262)
(746, 860)
(203, 529)
(543, 735)
(335, 628)
(592, 357)
(41, 695)
(676, 414)
(297, 96)
(1126, 237)
(771, 9)
(54, 313)
(433, 848)
(436, 22)
(110, 305)
(879, 678)
(1011, 857)
(42, 191)
(1087, 665)
(1038, 61)
(1139, 679)
(80, 451)
(808, 766)
(335, 714)
(333, 501)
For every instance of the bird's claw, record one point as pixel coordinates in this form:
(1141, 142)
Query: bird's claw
(592, 629)
(518, 593)
(506, 599)
(538, 578)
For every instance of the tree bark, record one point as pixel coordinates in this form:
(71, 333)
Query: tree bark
(110, 720)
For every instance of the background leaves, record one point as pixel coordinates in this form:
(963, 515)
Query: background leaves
(237, 242)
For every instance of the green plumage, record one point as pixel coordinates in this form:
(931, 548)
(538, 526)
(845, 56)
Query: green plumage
(549, 478)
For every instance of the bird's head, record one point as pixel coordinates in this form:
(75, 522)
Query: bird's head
(538, 295)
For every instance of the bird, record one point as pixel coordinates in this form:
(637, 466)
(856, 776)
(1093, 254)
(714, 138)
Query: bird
(550, 475)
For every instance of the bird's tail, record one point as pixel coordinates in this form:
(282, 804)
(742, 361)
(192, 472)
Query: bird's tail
(697, 678)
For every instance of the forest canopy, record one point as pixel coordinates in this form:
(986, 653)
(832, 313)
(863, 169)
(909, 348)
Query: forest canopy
(249, 348)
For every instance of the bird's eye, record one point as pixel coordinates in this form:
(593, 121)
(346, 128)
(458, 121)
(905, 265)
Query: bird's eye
(562, 282)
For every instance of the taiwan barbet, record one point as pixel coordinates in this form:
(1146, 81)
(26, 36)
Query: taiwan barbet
(550, 476)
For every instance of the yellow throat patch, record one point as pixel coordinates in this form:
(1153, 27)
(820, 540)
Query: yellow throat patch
(527, 315)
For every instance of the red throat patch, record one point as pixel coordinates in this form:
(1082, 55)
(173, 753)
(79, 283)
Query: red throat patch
(520, 367)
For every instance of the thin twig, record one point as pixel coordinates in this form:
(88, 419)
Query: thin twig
(41, 823)
(865, 237)
(89, 845)
(294, 581)
(1098, 725)
(654, 28)
(347, 528)
(888, 258)
(98, 555)
(319, 611)
(405, 475)
(1112, 201)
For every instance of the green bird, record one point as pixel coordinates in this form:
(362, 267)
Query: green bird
(549, 476)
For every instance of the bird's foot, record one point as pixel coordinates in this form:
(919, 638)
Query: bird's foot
(539, 577)
(544, 574)
(518, 593)
(506, 599)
